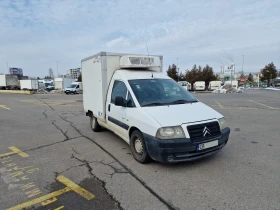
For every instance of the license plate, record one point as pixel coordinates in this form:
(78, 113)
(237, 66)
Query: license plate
(207, 145)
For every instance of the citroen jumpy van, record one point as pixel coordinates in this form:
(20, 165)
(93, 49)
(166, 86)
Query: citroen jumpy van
(160, 120)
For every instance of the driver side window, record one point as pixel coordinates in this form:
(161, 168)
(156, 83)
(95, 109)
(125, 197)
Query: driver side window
(119, 89)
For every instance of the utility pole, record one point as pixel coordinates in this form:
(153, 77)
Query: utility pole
(242, 64)
(57, 68)
(231, 68)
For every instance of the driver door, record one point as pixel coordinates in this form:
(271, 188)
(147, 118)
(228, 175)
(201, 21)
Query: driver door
(116, 115)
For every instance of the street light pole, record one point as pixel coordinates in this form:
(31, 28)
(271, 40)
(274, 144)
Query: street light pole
(57, 68)
(242, 64)
(231, 68)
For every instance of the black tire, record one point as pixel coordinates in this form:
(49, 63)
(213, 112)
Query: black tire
(94, 124)
(138, 147)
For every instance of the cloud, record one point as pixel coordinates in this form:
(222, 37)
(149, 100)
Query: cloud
(35, 34)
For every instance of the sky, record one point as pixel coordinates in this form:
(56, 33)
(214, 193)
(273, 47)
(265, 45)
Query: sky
(35, 34)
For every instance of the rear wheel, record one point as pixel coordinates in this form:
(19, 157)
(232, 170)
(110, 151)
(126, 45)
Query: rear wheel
(94, 124)
(138, 147)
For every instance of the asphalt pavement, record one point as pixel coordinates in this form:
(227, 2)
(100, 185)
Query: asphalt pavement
(51, 159)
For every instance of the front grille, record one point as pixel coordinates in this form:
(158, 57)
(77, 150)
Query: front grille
(197, 131)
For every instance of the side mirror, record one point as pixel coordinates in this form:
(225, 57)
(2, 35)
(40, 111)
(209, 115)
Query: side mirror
(119, 101)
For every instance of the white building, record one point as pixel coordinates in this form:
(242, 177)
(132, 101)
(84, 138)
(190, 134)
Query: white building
(74, 73)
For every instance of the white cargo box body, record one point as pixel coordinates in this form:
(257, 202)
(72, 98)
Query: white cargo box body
(98, 71)
(8, 80)
(30, 84)
(62, 83)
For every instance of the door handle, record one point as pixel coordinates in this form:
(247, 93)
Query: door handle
(109, 107)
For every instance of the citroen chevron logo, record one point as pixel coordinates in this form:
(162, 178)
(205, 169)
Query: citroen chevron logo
(206, 131)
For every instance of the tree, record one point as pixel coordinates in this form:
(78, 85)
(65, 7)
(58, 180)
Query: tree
(38, 77)
(192, 75)
(172, 72)
(80, 78)
(269, 72)
(208, 75)
(250, 78)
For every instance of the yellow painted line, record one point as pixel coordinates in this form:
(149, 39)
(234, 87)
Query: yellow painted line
(262, 104)
(4, 107)
(19, 152)
(59, 208)
(219, 104)
(14, 151)
(69, 186)
(40, 199)
(6, 154)
(76, 188)
(47, 202)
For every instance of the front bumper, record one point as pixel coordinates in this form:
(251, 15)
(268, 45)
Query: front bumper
(180, 150)
(69, 91)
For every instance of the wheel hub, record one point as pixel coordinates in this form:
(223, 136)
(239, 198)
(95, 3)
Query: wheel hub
(138, 146)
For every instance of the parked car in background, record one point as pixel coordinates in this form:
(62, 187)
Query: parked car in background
(214, 85)
(185, 84)
(233, 82)
(62, 83)
(75, 88)
(199, 85)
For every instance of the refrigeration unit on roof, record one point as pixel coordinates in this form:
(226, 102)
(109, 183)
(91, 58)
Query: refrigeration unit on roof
(132, 61)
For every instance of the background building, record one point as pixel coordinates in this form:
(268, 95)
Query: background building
(51, 73)
(74, 73)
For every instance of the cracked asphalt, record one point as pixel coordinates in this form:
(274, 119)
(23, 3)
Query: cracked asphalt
(54, 133)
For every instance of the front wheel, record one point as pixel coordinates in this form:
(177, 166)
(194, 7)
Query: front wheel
(138, 147)
(94, 124)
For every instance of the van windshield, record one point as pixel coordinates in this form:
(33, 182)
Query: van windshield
(159, 92)
(72, 86)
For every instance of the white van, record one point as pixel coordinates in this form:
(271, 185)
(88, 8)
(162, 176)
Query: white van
(233, 82)
(185, 84)
(75, 87)
(214, 85)
(199, 85)
(160, 120)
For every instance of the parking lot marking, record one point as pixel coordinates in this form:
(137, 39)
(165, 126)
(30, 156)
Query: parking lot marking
(4, 107)
(59, 208)
(14, 151)
(76, 188)
(70, 186)
(219, 104)
(47, 202)
(40, 199)
(262, 104)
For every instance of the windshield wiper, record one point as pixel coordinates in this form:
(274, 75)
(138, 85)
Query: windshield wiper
(154, 104)
(181, 102)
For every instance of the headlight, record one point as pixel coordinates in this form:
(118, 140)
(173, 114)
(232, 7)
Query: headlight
(222, 123)
(171, 133)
